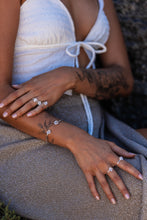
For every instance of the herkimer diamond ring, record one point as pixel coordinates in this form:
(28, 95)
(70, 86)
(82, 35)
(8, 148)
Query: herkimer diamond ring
(110, 169)
(45, 103)
(37, 101)
(120, 159)
(40, 102)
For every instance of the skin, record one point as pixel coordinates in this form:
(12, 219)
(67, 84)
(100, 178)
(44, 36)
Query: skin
(94, 156)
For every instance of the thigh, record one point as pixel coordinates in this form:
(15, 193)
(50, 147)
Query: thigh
(43, 181)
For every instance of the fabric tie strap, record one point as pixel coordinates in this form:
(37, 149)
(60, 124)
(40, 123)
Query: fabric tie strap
(73, 50)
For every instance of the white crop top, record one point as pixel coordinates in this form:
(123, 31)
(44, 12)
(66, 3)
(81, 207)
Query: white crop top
(46, 40)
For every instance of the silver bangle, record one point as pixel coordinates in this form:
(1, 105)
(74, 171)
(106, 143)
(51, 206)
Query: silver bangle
(49, 131)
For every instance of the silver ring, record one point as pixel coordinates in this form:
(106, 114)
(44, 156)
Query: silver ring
(37, 101)
(120, 159)
(45, 103)
(110, 169)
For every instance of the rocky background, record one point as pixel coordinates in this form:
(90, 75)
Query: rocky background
(133, 18)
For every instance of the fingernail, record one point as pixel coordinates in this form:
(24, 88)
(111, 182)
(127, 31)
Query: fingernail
(15, 85)
(132, 154)
(97, 198)
(113, 201)
(14, 115)
(127, 196)
(140, 177)
(1, 105)
(29, 114)
(5, 114)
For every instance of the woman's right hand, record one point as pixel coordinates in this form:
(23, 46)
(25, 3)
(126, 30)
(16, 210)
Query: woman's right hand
(95, 157)
(39, 93)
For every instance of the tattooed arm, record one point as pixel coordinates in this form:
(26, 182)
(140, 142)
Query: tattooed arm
(103, 83)
(115, 76)
(37, 126)
(94, 156)
(113, 79)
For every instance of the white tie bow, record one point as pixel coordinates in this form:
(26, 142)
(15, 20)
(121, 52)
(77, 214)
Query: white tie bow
(73, 50)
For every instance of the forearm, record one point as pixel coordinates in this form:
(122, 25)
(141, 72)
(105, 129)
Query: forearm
(37, 126)
(103, 83)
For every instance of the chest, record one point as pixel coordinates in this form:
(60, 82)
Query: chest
(83, 14)
(51, 22)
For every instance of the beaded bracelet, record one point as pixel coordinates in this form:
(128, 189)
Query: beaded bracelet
(49, 131)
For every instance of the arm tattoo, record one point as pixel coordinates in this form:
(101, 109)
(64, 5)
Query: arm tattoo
(108, 82)
(44, 127)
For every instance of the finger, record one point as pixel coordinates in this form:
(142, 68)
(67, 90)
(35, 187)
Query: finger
(119, 183)
(17, 104)
(12, 97)
(37, 110)
(92, 187)
(105, 186)
(17, 86)
(130, 169)
(120, 151)
(29, 105)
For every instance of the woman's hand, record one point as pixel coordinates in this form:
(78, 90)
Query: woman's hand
(38, 93)
(95, 157)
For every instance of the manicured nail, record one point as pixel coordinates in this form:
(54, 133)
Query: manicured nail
(5, 114)
(14, 115)
(97, 198)
(127, 196)
(113, 201)
(1, 105)
(29, 114)
(140, 177)
(132, 154)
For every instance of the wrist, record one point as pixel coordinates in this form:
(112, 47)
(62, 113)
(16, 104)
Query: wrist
(70, 75)
(73, 140)
(65, 135)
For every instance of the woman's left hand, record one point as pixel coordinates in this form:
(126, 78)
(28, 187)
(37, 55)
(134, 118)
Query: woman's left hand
(35, 95)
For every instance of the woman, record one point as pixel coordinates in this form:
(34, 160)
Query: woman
(49, 89)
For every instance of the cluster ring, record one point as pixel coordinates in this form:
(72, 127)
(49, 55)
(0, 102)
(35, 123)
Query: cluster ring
(45, 103)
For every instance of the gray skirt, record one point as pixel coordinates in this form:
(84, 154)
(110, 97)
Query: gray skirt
(44, 182)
